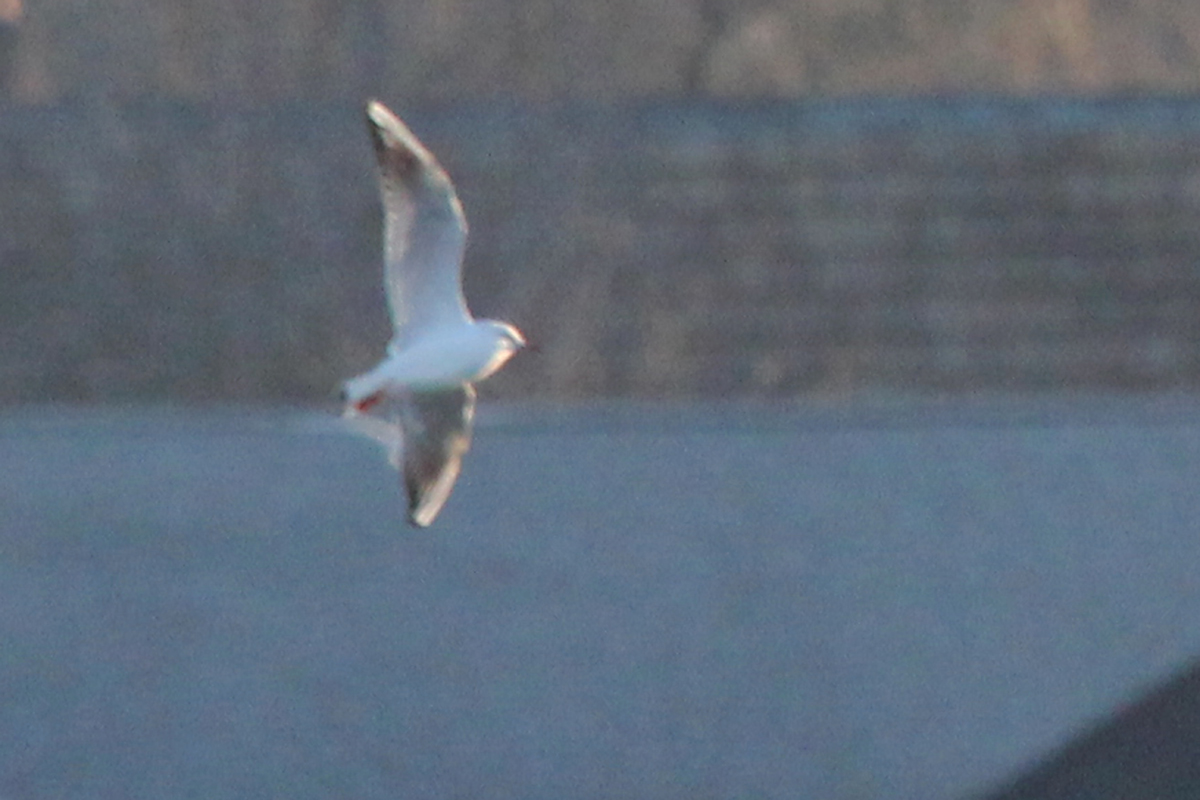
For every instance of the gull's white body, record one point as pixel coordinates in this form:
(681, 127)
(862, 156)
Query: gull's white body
(446, 357)
(424, 385)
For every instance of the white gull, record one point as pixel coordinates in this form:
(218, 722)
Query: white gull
(419, 401)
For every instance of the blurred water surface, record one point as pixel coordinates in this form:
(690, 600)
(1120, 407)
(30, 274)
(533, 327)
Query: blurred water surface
(622, 601)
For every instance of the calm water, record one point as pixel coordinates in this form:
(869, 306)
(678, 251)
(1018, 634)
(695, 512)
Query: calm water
(724, 603)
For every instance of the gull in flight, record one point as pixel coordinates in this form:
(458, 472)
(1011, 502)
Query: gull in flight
(419, 401)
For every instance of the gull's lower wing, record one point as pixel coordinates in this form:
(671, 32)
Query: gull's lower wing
(426, 443)
(424, 229)
(437, 433)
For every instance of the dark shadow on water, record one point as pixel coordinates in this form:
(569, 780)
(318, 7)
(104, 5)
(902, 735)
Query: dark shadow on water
(1149, 750)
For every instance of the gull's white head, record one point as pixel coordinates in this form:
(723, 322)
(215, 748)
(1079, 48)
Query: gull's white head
(506, 335)
(506, 340)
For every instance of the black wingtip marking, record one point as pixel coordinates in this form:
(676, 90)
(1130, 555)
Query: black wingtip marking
(394, 156)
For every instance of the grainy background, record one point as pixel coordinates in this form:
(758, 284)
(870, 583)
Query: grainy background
(675, 199)
(448, 50)
(729, 602)
(667, 249)
(758, 199)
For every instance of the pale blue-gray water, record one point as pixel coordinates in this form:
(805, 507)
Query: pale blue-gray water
(724, 602)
